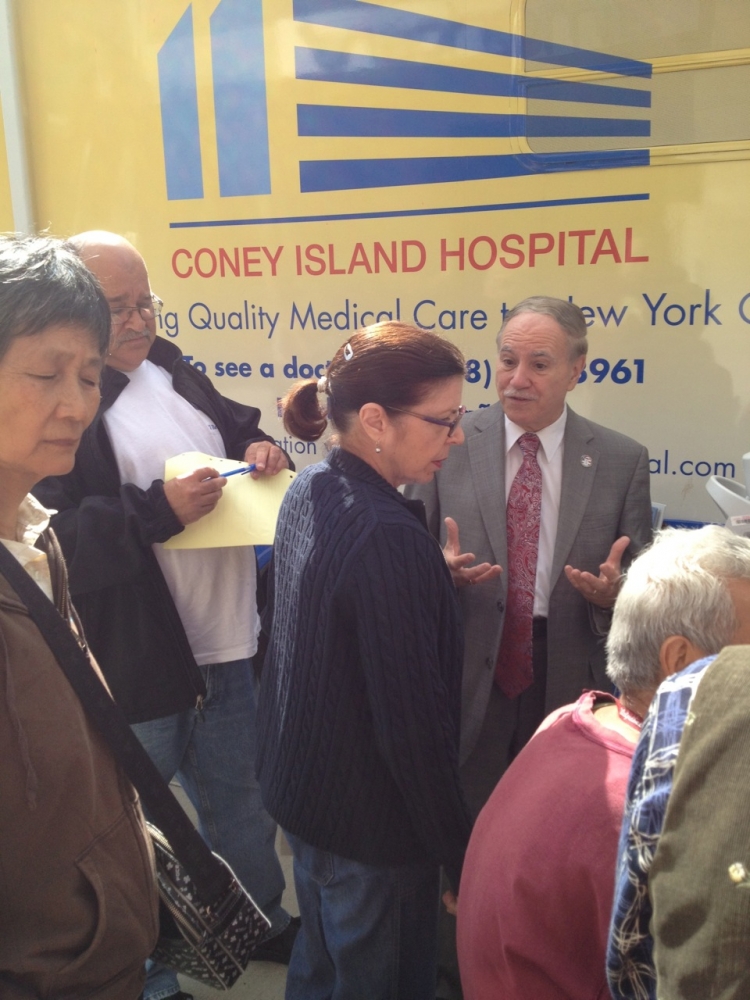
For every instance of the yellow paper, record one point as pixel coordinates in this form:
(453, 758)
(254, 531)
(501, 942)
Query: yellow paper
(246, 513)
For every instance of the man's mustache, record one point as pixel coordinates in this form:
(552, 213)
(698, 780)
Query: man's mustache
(123, 338)
(514, 394)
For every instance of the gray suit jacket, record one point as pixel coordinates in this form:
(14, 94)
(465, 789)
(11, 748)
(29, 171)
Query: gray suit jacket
(598, 503)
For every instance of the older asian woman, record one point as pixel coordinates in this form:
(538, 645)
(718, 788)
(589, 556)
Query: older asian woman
(78, 905)
(360, 695)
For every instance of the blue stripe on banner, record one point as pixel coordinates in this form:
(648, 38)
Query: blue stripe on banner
(238, 58)
(508, 206)
(377, 71)
(179, 112)
(379, 20)
(346, 175)
(330, 120)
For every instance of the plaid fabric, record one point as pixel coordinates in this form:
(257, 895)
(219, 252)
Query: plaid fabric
(630, 964)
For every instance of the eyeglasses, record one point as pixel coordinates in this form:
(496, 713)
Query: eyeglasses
(123, 314)
(450, 424)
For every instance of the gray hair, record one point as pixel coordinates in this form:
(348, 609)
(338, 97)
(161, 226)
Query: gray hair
(677, 586)
(568, 317)
(43, 283)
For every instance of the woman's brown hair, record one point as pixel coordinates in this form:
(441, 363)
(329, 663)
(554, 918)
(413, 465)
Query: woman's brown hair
(390, 363)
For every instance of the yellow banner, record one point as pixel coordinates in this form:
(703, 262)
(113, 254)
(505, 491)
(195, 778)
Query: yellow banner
(294, 169)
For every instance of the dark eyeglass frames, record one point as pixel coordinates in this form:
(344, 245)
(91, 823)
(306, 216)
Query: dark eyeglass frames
(450, 424)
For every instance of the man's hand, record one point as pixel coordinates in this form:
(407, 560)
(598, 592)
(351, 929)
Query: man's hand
(193, 496)
(267, 457)
(451, 903)
(601, 590)
(460, 563)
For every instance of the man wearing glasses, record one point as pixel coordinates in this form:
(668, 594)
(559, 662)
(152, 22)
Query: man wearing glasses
(174, 631)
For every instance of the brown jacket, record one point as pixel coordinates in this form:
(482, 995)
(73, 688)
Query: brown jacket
(78, 902)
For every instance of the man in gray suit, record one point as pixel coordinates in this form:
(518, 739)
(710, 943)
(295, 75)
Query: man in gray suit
(595, 516)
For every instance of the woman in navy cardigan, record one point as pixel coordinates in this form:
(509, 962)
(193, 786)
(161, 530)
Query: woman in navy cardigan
(359, 707)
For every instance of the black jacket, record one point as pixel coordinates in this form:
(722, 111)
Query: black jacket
(359, 706)
(106, 529)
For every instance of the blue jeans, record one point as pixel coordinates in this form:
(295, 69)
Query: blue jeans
(369, 932)
(212, 752)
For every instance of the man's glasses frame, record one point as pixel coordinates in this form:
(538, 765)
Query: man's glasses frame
(121, 315)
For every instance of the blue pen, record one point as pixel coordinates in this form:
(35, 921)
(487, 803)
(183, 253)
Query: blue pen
(239, 472)
(234, 472)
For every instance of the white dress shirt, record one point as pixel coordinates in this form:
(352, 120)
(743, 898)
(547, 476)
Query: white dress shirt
(550, 459)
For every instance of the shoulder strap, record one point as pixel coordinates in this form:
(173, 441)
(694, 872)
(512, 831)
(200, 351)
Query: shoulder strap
(209, 875)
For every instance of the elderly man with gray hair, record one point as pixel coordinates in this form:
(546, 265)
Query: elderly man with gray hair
(537, 885)
(700, 595)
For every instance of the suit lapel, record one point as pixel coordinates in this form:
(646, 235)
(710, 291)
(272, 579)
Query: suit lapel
(486, 448)
(577, 483)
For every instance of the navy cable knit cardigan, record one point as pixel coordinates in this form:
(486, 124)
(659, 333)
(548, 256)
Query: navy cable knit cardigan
(360, 698)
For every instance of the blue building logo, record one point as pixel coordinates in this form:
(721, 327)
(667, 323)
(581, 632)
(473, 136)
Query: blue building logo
(241, 107)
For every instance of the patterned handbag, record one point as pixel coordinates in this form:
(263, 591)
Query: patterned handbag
(209, 925)
(209, 943)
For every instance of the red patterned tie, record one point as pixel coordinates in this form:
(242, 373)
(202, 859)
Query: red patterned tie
(514, 671)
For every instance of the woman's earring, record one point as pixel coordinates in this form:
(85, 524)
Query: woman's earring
(378, 449)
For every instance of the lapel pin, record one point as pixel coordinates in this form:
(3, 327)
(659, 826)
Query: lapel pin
(587, 461)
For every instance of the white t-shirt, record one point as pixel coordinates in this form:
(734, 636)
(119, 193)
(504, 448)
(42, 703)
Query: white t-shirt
(213, 589)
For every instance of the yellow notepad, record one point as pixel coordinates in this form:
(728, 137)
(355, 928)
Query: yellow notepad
(246, 513)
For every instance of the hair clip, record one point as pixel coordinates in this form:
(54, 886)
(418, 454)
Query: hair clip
(348, 353)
